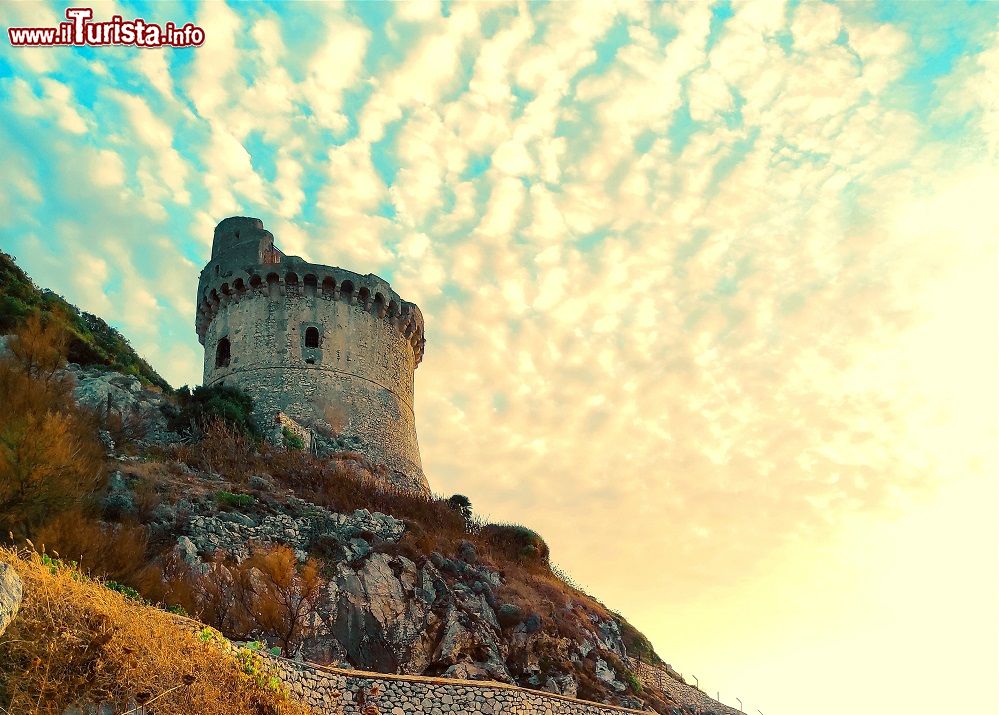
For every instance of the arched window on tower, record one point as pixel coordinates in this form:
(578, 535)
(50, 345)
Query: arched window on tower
(222, 353)
(312, 338)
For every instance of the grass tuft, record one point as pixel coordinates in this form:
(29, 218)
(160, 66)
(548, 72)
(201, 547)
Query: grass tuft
(76, 642)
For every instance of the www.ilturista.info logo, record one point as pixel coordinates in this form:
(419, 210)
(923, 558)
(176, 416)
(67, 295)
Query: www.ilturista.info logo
(80, 31)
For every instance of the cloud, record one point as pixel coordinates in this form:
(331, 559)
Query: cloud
(230, 174)
(335, 67)
(55, 100)
(35, 60)
(815, 25)
(971, 92)
(162, 171)
(214, 77)
(430, 68)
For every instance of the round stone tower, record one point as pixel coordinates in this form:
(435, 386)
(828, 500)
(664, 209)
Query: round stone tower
(330, 349)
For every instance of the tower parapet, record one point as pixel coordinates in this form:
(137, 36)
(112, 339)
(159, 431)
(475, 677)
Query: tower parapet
(333, 349)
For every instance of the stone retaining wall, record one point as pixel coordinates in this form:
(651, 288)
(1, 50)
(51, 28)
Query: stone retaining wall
(693, 699)
(335, 691)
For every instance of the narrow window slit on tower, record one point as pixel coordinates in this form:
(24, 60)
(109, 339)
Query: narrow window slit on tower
(222, 353)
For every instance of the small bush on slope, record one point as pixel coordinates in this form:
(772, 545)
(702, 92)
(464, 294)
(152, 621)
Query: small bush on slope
(114, 551)
(268, 595)
(50, 457)
(517, 543)
(201, 409)
(75, 641)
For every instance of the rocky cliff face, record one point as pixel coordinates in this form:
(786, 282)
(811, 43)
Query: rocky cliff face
(382, 608)
(140, 409)
(383, 611)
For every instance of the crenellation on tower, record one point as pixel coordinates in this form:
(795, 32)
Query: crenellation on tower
(331, 349)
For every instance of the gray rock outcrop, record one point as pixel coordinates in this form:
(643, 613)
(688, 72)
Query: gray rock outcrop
(10, 595)
(606, 675)
(387, 613)
(348, 536)
(141, 408)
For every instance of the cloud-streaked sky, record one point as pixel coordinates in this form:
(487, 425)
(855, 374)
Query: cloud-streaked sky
(710, 289)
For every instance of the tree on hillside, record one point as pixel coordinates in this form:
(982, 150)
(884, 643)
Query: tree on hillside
(50, 457)
(463, 505)
(280, 597)
(39, 347)
(218, 599)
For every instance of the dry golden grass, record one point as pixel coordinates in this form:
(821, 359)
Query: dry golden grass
(115, 551)
(75, 641)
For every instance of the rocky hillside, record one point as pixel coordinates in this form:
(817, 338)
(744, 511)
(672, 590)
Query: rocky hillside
(320, 556)
(91, 340)
(403, 583)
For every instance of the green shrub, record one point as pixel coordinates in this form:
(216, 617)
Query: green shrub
(126, 591)
(205, 405)
(224, 498)
(516, 542)
(292, 440)
(463, 505)
(639, 647)
(13, 312)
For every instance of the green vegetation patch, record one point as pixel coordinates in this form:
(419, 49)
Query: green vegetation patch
(218, 403)
(637, 644)
(517, 542)
(292, 440)
(224, 498)
(91, 340)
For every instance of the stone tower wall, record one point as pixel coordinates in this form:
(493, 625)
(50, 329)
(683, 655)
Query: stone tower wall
(356, 383)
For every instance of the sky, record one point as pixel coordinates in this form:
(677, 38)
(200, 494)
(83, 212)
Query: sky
(710, 289)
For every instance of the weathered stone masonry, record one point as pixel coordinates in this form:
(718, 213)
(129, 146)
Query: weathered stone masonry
(333, 691)
(330, 348)
(338, 691)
